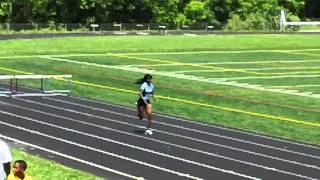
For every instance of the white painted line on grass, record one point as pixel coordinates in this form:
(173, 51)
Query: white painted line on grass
(267, 77)
(162, 53)
(250, 69)
(182, 76)
(293, 86)
(221, 63)
(179, 146)
(184, 128)
(220, 51)
(71, 157)
(130, 146)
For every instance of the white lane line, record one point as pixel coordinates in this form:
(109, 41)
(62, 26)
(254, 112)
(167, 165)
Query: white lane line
(188, 129)
(135, 147)
(102, 152)
(293, 86)
(198, 123)
(201, 124)
(224, 62)
(219, 81)
(285, 74)
(266, 77)
(71, 158)
(251, 69)
(177, 135)
(219, 51)
(167, 143)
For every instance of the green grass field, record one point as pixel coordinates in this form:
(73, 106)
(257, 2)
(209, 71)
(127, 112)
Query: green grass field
(264, 84)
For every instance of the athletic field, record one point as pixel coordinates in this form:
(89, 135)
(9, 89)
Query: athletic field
(263, 84)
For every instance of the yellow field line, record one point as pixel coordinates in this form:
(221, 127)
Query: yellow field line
(198, 65)
(303, 53)
(129, 56)
(15, 71)
(279, 118)
(185, 64)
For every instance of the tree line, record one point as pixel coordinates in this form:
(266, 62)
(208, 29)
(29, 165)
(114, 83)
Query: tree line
(223, 14)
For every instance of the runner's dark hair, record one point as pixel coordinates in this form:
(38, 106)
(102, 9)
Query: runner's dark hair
(144, 79)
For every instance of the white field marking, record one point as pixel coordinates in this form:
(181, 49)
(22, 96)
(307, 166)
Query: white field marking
(189, 138)
(217, 52)
(139, 148)
(54, 55)
(165, 64)
(101, 151)
(72, 158)
(185, 128)
(303, 53)
(282, 73)
(175, 63)
(179, 146)
(227, 62)
(188, 77)
(202, 124)
(251, 69)
(266, 77)
(160, 53)
(14, 57)
(293, 86)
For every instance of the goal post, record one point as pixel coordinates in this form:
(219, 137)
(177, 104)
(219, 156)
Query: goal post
(284, 23)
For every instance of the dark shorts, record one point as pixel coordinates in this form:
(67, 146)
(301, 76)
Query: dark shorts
(141, 103)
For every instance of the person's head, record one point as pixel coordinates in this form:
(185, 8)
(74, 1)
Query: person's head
(147, 78)
(19, 167)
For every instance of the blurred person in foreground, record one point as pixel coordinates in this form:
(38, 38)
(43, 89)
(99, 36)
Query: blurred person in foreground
(18, 172)
(5, 159)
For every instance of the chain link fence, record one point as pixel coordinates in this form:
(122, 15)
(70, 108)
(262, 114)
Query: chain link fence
(105, 27)
(121, 28)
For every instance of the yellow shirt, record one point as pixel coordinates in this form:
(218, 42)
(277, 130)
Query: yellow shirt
(12, 177)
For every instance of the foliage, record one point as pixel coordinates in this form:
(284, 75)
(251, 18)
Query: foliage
(231, 14)
(198, 11)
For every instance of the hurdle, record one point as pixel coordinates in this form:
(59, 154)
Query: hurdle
(94, 26)
(6, 77)
(118, 32)
(163, 30)
(209, 28)
(13, 89)
(140, 30)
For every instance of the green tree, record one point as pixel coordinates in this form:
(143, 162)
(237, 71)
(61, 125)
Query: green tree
(198, 11)
(255, 15)
(294, 6)
(164, 11)
(223, 10)
(312, 9)
(5, 10)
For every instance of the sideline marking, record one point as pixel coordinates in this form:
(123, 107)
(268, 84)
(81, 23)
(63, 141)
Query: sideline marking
(189, 77)
(293, 86)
